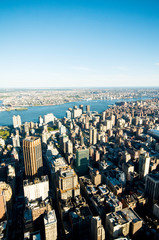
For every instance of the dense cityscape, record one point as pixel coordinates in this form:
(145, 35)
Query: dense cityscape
(88, 175)
(79, 120)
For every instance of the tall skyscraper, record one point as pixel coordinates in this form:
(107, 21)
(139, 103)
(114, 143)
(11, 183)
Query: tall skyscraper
(144, 164)
(92, 136)
(16, 121)
(69, 147)
(87, 108)
(81, 161)
(32, 157)
(81, 107)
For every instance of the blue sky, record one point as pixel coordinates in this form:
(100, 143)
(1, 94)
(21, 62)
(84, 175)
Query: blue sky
(79, 43)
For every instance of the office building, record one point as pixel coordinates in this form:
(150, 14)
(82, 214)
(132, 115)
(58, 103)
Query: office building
(32, 157)
(36, 189)
(92, 136)
(156, 210)
(87, 108)
(16, 141)
(152, 186)
(62, 129)
(82, 161)
(144, 164)
(81, 107)
(97, 230)
(6, 192)
(17, 121)
(122, 223)
(40, 121)
(50, 225)
(49, 118)
(69, 113)
(69, 147)
(77, 112)
(67, 182)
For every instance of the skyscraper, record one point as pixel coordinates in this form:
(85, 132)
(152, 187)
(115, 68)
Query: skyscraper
(32, 157)
(16, 121)
(81, 161)
(92, 136)
(144, 164)
(87, 108)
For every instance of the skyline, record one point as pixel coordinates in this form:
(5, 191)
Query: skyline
(49, 44)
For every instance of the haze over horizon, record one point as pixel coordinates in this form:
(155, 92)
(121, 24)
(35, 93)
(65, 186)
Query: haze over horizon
(60, 44)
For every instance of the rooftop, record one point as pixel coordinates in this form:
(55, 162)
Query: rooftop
(50, 217)
(31, 139)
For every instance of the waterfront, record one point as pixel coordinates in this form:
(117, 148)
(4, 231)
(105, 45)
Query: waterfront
(58, 110)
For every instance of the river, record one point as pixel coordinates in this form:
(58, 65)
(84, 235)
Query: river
(58, 110)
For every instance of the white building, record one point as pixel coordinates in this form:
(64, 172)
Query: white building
(77, 112)
(41, 120)
(16, 141)
(37, 189)
(17, 121)
(49, 118)
(2, 142)
(62, 130)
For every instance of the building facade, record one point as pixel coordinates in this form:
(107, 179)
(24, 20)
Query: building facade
(32, 157)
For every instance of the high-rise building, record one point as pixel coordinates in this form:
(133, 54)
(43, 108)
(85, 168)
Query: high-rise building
(16, 141)
(26, 127)
(16, 121)
(92, 136)
(63, 140)
(50, 224)
(81, 107)
(62, 129)
(67, 182)
(32, 157)
(6, 191)
(81, 161)
(37, 189)
(144, 164)
(49, 118)
(77, 112)
(40, 121)
(88, 108)
(152, 186)
(69, 113)
(97, 229)
(69, 147)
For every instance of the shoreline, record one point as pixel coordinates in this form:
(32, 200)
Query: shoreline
(84, 100)
(59, 110)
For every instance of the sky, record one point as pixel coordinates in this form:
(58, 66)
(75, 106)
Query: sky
(79, 43)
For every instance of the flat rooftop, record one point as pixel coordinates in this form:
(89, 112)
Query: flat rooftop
(31, 138)
(50, 217)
